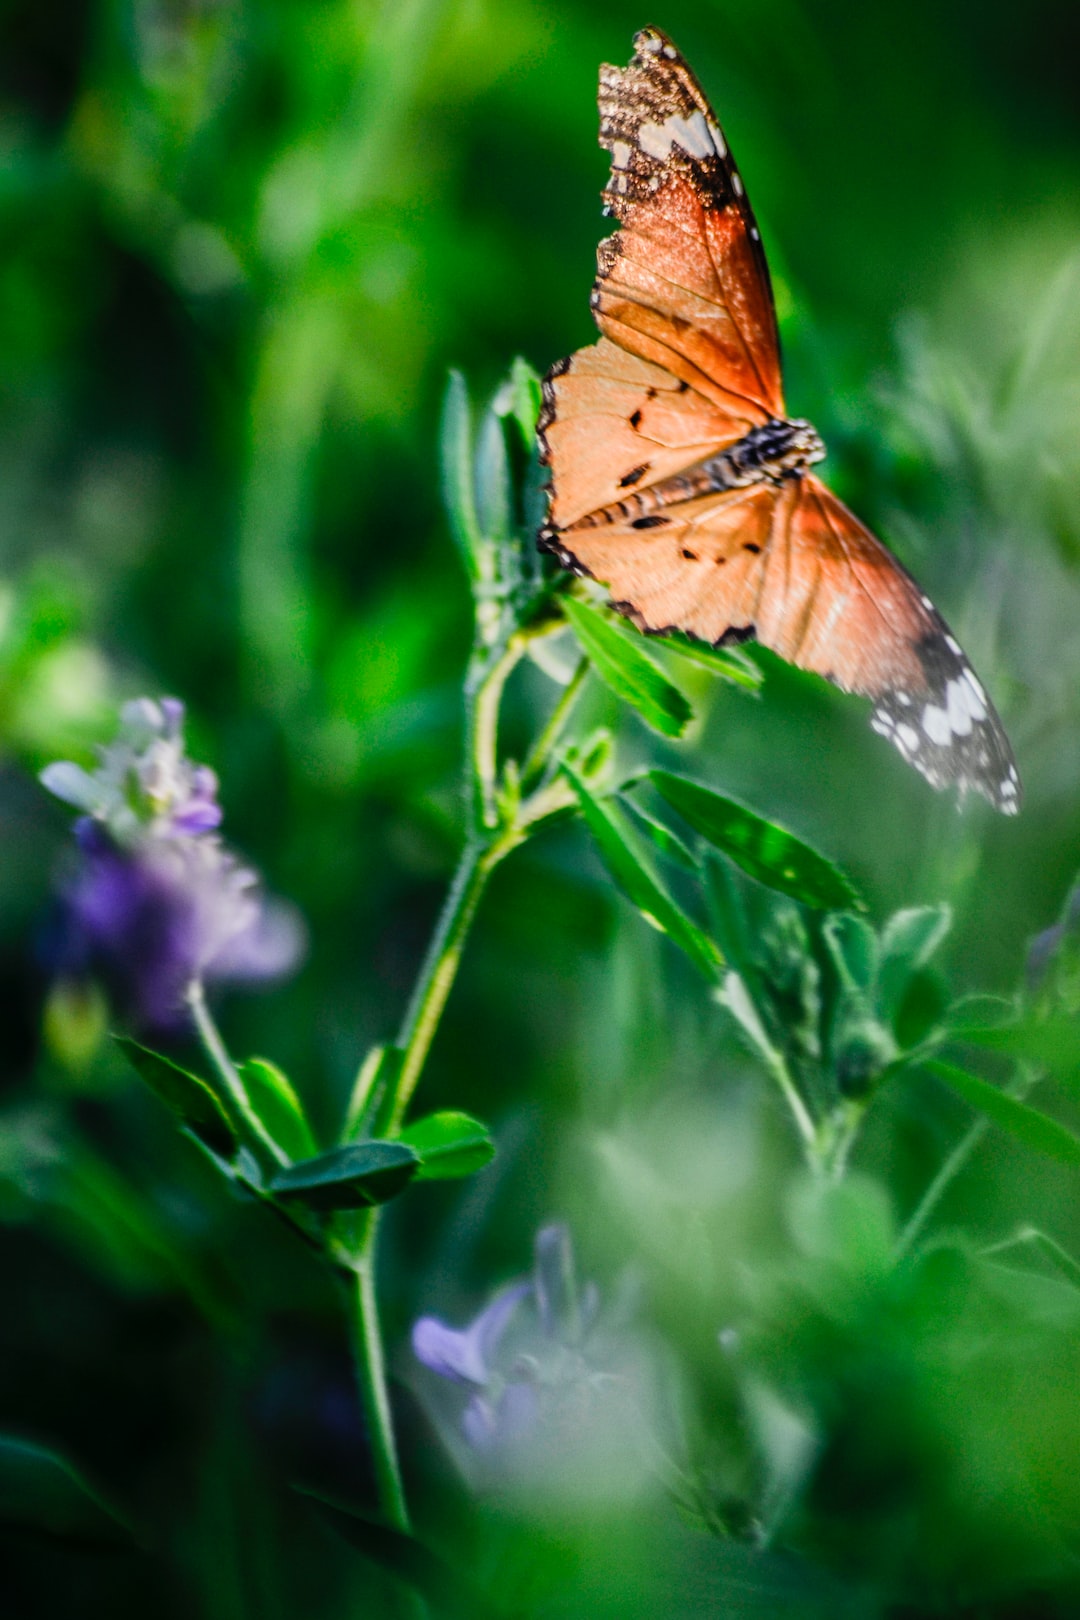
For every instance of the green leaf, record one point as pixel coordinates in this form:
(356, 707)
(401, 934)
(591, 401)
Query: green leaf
(494, 504)
(619, 660)
(184, 1094)
(669, 844)
(1027, 1124)
(277, 1105)
(725, 662)
(1052, 1042)
(448, 1145)
(352, 1177)
(40, 1490)
(630, 870)
(767, 852)
(727, 913)
(521, 396)
(455, 441)
(908, 941)
(853, 947)
(405, 1558)
(378, 1074)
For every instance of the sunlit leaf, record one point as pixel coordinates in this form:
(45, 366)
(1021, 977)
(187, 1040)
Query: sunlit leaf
(277, 1105)
(520, 397)
(352, 1177)
(40, 1490)
(725, 662)
(457, 472)
(1028, 1125)
(767, 852)
(630, 869)
(448, 1145)
(184, 1094)
(618, 657)
(669, 844)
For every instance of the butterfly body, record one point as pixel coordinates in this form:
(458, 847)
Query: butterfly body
(677, 478)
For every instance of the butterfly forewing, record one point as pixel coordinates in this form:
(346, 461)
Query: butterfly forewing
(684, 281)
(687, 366)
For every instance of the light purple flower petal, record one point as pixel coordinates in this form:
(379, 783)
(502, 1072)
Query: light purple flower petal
(465, 1354)
(71, 783)
(448, 1351)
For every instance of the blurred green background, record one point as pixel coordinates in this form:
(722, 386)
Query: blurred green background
(240, 245)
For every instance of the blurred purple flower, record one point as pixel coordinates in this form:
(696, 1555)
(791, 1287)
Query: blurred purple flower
(155, 903)
(549, 1391)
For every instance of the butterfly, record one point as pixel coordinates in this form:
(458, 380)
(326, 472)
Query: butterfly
(677, 479)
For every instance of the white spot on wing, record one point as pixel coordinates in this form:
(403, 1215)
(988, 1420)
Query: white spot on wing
(692, 134)
(620, 155)
(935, 722)
(907, 737)
(736, 181)
(717, 139)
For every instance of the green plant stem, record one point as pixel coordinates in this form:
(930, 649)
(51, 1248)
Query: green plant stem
(484, 730)
(930, 1199)
(1027, 1076)
(540, 753)
(478, 860)
(215, 1049)
(370, 1367)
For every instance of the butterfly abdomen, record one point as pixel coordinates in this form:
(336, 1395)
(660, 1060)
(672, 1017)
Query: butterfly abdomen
(767, 454)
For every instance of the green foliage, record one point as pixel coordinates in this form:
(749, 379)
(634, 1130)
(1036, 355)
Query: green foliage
(1028, 1125)
(184, 1094)
(448, 1145)
(761, 848)
(42, 1491)
(631, 872)
(352, 1177)
(277, 1105)
(619, 659)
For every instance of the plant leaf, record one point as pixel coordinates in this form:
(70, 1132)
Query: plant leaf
(669, 844)
(521, 396)
(448, 1145)
(767, 852)
(1027, 1124)
(378, 1073)
(459, 495)
(40, 1490)
(632, 873)
(404, 1557)
(621, 663)
(1053, 1042)
(351, 1177)
(726, 662)
(271, 1095)
(494, 508)
(853, 947)
(184, 1094)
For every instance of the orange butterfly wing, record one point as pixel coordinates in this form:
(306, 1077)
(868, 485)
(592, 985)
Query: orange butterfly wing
(687, 365)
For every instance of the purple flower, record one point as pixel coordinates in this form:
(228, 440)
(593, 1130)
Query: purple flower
(155, 903)
(541, 1387)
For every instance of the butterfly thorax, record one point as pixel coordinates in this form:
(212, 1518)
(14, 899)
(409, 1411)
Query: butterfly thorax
(776, 451)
